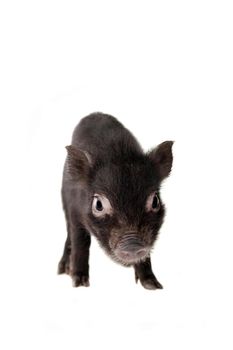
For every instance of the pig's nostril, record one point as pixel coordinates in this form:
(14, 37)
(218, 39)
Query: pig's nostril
(131, 255)
(141, 252)
(130, 248)
(126, 255)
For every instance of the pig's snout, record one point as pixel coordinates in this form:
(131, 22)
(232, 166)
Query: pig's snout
(131, 249)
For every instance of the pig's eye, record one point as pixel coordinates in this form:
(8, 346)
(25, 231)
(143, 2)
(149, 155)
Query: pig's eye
(98, 205)
(101, 205)
(153, 203)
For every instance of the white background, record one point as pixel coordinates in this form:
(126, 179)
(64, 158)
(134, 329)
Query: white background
(164, 68)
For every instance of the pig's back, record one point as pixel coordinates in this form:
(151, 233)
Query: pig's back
(105, 138)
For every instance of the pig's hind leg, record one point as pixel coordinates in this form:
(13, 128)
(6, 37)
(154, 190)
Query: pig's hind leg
(75, 256)
(143, 272)
(64, 264)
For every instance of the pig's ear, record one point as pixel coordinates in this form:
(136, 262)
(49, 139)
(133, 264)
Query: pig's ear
(162, 158)
(78, 161)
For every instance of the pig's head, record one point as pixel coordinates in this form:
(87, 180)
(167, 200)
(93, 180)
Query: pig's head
(122, 205)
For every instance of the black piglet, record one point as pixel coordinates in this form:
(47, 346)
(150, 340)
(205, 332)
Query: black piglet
(111, 190)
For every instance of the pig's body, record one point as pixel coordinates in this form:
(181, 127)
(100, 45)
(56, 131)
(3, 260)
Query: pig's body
(110, 189)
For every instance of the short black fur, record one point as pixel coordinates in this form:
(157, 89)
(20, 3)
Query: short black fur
(105, 160)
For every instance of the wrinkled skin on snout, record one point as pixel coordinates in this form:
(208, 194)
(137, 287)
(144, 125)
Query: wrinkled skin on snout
(111, 190)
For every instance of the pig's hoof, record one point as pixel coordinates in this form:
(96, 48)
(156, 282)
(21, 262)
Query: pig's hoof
(63, 267)
(80, 280)
(151, 283)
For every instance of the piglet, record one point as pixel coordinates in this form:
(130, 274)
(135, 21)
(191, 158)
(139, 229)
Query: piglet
(111, 190)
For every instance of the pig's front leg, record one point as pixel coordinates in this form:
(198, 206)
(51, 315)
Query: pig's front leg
(143, 272)
(79, 266)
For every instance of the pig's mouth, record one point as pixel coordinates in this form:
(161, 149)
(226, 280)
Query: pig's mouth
(130, 250)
